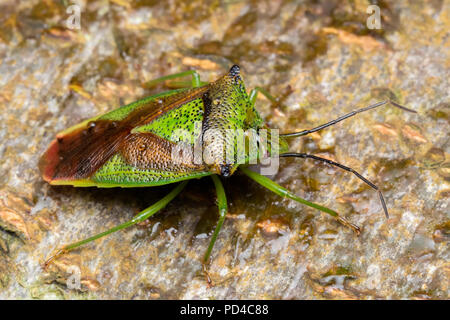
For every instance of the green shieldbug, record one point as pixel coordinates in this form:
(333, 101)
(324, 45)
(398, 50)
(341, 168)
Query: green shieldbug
(133, 145)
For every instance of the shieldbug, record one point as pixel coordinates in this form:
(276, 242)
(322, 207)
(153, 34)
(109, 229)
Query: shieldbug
(143, 144)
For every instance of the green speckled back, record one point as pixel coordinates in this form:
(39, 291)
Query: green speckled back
(139, 144)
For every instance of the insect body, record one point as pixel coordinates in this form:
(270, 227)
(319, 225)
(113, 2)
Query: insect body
(133, 146)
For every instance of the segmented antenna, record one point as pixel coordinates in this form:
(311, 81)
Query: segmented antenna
(346, 116)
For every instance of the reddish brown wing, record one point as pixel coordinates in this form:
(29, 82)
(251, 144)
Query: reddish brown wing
(80, 153)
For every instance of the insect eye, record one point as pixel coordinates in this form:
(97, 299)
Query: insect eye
(234, 70)
(225, 170)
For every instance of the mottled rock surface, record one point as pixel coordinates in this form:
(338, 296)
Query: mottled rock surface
(321, 60)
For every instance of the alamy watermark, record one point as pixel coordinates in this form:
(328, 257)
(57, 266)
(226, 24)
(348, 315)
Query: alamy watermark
(73, 21)
(74, 280)
(374, 20)
(229, 147)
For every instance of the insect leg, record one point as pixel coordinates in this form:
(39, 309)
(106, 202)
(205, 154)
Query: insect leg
(223, 208)
(254, 93)
(143, 215)
(196, 82)
(348, 115)
(373, 186)
(283, 192)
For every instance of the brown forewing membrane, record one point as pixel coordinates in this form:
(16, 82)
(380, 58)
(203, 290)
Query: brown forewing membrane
(80, 153)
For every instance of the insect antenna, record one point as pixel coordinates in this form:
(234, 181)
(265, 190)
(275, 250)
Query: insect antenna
(310, 156)
(348, 115)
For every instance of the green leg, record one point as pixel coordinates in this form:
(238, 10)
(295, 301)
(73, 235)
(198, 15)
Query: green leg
(279, 190)
(196, 82)
(223, 208)
(143, 215)
(254, 93)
